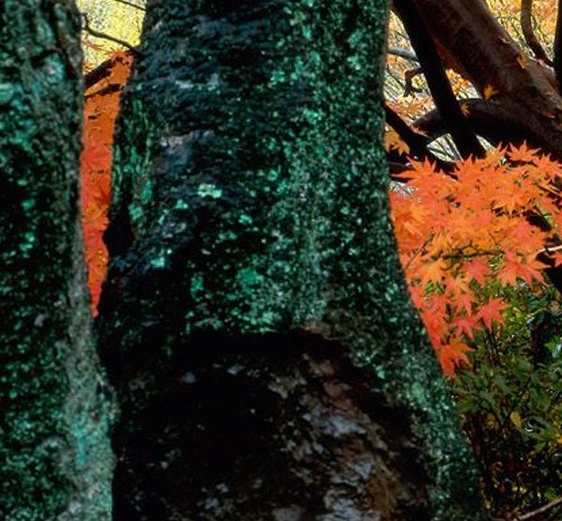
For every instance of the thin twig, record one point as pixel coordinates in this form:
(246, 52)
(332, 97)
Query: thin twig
(403, 53)
(130, 4)
(105, 36)
(557, 59)
(533, 513)
(550, 249)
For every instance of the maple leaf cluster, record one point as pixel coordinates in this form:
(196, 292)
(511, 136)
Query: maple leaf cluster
(462, 236)
(100, 112)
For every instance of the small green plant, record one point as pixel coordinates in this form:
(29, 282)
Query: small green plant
(510, 402)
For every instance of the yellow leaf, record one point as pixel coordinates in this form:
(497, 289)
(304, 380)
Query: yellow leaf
(434, 271)
(465, 109)
(119, 19)
(392, 141)
(515, 418)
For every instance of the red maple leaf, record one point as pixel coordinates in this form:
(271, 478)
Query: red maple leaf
(491, 312)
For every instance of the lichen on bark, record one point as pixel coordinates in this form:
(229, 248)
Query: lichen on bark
(250, 198)
(55, 459)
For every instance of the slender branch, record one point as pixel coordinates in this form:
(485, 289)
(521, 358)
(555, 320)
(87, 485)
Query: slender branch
(439, 85)
(112, 87)
(416, 142)
(558, 44)
(487, 119)
(101, 72)
(131, 4)
(534, 513)
(550, 249)
(527, 27)
(403, 53)
(100, 34)
(408, 80)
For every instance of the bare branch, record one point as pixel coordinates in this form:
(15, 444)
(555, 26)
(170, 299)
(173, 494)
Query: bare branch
(534, 513)
(101, 72)
(416, 142)
(131, 4)
(403, 53)
(527, 28)
(441, 90)
(558, 44)
(100, 34)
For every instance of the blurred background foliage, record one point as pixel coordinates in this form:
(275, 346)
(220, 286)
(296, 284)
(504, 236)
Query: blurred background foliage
(118, 19)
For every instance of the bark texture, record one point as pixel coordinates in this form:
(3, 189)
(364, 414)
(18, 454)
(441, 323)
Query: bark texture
(55, 460)
(472, 42)
(251, 259)
(279, 427)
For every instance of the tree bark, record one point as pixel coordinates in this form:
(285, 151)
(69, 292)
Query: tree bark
(441, 90)
(255, 320)
(55, 459)
(472, 42)
(526, 21)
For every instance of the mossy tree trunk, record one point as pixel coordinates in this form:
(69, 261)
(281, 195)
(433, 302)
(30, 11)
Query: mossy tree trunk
(55, 458)
(255, 321)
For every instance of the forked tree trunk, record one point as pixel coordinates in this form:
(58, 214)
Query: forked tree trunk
(255, 321)
(55, 459)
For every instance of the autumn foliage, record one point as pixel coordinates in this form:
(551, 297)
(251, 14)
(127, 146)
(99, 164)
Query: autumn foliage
(466, 236)
(101, 109)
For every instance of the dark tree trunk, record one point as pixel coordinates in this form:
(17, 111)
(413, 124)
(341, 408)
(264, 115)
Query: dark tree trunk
(55, 459)
(255, 320)
(443, 95)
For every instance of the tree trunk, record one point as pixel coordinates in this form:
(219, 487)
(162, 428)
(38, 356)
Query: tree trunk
(55, 460)
(255, 321)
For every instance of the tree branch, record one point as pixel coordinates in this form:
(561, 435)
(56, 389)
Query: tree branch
(439, 85)
(525, 20)
(100, 34)
(130, 4)
(102, 71)
(403, 53)
(534, 513)
(416, 142)
(558, 44)
(486, 118)
(94, 76)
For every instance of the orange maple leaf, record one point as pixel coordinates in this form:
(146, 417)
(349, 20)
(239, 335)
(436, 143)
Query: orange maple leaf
(522, 152)
(464, 325)
(490, 312)
(455, 234)
(394, 142)
(453, 354)
(434, 271)
(478, 270)
(488, 92)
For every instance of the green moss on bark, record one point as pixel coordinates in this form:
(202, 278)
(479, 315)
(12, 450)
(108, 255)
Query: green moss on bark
(251, 197)
(55, 461)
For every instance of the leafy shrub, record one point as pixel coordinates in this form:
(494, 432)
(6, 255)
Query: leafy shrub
(470, 244)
